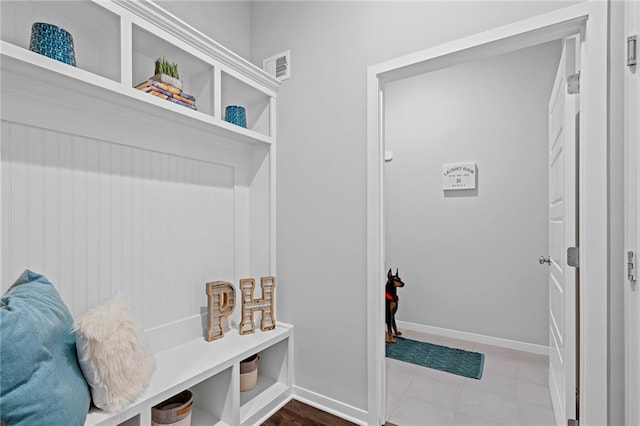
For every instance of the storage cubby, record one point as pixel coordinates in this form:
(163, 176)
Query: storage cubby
(133, 421)
(196, 74)
(213, 400)
(95, 30)
(256, 102)
(273, 381)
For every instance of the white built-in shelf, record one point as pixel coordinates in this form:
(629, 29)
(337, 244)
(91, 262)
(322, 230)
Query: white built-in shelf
(211, 370)
(28, 74)
(116, 45)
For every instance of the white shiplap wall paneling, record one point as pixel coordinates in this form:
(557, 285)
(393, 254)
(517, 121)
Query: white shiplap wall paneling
(99, 218)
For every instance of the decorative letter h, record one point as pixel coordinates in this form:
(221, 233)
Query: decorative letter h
(250, 305)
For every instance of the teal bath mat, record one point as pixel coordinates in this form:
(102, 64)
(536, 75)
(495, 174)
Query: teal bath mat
(443, 358)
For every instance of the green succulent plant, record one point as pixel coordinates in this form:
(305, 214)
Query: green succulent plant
(163, 66)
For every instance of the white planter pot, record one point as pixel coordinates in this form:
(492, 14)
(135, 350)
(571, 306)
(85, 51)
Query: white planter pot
(167, 79)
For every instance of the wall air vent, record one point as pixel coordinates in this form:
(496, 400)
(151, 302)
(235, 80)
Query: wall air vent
(278, 65)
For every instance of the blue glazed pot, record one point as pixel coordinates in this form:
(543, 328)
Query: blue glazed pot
(52, 41)
(236, 115)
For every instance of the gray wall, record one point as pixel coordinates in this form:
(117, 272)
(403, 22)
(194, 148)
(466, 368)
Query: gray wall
(227, 22)
(470, 257)
(322, 161)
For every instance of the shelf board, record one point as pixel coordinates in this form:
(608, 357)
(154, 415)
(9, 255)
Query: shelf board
(200, 417)
(253, 401)
(27, 73)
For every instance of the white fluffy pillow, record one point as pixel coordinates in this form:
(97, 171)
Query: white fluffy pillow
(115, 361)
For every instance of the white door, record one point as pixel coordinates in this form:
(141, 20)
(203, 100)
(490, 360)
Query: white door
(632, 287)
(563, 108)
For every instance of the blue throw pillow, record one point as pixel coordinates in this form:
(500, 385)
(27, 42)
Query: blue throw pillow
(41, 383)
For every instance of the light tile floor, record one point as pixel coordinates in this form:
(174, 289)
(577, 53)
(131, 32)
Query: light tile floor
(512, 391)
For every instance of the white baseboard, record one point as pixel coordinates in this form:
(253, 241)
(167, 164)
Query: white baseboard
(330, 405)
(478, 338)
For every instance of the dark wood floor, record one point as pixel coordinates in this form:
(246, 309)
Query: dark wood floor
(295, 413)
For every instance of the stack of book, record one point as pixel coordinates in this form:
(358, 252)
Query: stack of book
(170, 93)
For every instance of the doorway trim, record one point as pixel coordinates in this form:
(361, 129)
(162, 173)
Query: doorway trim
(632, 221)
(590, 20)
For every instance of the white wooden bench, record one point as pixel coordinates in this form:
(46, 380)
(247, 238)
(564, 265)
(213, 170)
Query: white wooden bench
(211, 370)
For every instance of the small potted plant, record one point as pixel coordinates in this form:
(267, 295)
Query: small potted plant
(167, 73)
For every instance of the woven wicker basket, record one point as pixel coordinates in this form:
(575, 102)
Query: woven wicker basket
(249, 373)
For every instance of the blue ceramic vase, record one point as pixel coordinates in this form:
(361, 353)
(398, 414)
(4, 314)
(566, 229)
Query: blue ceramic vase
(236, 115)
(52, 41)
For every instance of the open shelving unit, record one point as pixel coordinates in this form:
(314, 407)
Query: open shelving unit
(116, 45)
(213, 376)
(93, 115)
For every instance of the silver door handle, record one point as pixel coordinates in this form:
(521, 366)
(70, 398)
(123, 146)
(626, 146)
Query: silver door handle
(544, 260)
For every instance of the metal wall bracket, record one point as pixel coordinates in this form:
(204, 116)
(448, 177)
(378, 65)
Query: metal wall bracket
(632, 50)
(573, 257)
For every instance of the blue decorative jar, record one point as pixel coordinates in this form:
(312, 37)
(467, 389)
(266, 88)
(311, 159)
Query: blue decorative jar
(236, 115)
(52, 41)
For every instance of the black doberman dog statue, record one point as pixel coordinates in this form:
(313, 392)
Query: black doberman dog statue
(391, 304)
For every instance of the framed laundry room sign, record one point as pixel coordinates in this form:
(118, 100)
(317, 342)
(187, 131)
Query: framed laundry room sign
(459, 176)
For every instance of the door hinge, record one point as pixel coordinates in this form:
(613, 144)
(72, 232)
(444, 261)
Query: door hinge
(572, 422)
(631, 265)
(573, 84)
(632, 52)
(573, 257)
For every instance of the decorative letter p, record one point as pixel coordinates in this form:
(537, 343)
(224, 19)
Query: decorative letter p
(222, 301)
